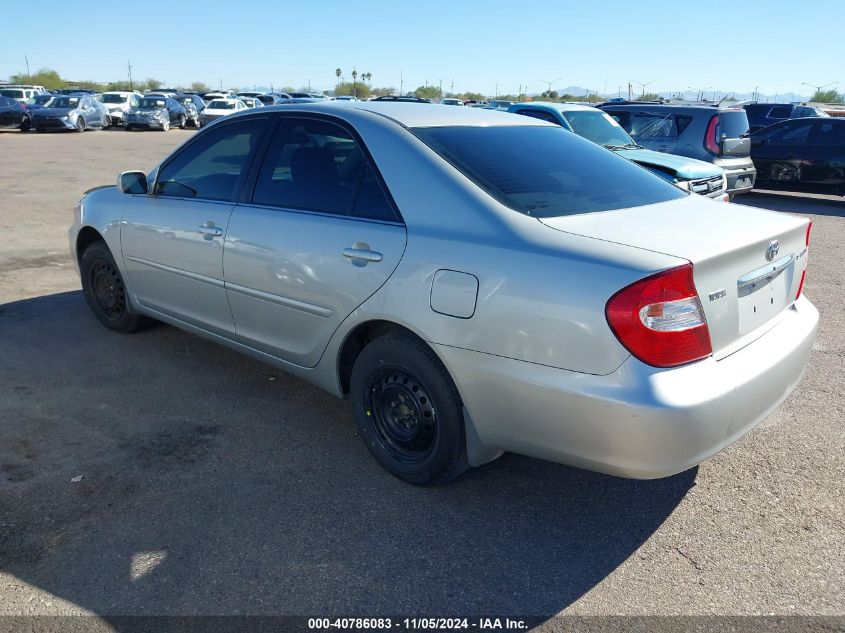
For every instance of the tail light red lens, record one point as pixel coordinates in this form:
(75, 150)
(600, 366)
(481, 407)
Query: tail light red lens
(660, 320)
(806, 261)
(711, 141)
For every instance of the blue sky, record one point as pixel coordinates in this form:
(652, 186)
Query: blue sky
(724, 45)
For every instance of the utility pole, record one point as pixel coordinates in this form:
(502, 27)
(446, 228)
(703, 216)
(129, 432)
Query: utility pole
(497, 91)
(401, 84)
(129, 66)
(452, 88)
(309, 85)
(221, 84)
(26, 59)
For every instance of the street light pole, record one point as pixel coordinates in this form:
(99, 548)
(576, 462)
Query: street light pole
(819, 88)
(548, 83)
(643, 85)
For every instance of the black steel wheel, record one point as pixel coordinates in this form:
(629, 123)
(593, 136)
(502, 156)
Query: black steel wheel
(408, 410)
(105, 292)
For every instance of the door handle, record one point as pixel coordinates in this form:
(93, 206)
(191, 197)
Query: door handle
(361, 255)
(209, 231)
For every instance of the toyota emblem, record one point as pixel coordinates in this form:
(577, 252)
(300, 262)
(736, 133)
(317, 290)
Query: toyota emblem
(772, 250)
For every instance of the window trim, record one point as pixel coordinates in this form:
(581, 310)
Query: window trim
(248, 190)
(197, 138)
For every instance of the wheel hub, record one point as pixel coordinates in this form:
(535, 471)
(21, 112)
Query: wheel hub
(401, 414)
(108, 289)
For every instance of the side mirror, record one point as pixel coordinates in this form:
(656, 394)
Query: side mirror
(133, 182)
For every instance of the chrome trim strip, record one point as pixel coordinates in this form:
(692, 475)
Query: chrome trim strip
(308, 308)
(211, 281)
(756, 279)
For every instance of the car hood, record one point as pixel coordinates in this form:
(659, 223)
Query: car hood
(146, 111)
(681, 166)
(51, 112)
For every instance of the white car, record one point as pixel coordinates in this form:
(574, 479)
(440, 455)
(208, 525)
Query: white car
(118, 102)
(251, 102)
(452, 102)
(219, 108)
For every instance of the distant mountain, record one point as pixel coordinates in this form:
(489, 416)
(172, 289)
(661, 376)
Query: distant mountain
(578, 91)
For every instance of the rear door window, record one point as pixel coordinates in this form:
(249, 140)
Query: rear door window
(646, 125)
(317, 165)
(780, 112)
(792, 133)
(830, 134)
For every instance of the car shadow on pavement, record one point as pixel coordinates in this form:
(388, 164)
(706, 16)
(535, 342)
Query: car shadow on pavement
(161, 474)
(794, 203)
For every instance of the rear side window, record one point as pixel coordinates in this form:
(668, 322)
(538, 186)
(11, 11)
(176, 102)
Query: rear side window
(780, 112)
(211, 167)
(681, 122)
(830, 134)
(539, 114)
(316, 165)
(647, 125)
(546, 171)
(733, 123)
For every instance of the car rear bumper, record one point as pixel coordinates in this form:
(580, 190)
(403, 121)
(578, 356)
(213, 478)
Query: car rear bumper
(740, 179)
(639, 421)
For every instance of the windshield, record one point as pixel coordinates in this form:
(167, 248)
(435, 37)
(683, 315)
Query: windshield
(39, 99)
(63, 102)
(146, 102)
(599, 128)
(546, 171)
(107, 98)
(14, 94)
(219, 104)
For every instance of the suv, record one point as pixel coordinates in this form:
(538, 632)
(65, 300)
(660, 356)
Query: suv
(762, 115)
(715, 135)
(599, 127)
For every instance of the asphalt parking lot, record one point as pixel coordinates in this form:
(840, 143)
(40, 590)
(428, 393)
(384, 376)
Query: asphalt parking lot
(212, 484)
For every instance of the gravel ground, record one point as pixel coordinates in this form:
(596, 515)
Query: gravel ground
(161, 474)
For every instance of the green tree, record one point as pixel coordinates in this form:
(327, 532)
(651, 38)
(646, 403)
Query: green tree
(345, 89)
(199, 86)
(649, 96)
(46, 77)
(383, 91)
(338, 73)
(471, 96)
(152, 84)
(427, 92)
(827, 96)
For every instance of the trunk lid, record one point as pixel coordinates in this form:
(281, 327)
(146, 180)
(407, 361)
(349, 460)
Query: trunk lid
(742, 290)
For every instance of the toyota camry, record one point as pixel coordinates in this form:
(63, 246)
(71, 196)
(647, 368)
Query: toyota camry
(472, 281)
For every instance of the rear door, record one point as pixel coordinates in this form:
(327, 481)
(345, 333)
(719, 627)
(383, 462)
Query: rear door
(317, 237)
(823, 167)
(655, 130)
(778, 153)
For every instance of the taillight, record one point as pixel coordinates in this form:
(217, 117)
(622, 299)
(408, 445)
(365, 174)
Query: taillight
(711, 142)
(806, 256)
(660, 320)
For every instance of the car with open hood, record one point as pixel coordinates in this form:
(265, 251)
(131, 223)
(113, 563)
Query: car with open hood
(688, 173)
(155, 113)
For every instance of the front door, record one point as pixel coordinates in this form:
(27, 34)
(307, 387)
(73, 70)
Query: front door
(173, 239)
(319, 236)
(823, 170)
(778, 153)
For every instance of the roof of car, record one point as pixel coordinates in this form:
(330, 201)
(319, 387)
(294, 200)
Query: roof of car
(415, 114)
(562, 107)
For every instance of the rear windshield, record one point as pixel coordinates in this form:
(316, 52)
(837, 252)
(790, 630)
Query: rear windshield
(14, 94)
(107, 98)
(219, 104)
(733, 123)
(546, 171)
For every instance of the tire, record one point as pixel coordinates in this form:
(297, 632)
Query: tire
(26, 124)
(165, 126)
(105, 293)
(182, 121)
(80, 124)
(408, 410)
(106, 124)
(128, 128)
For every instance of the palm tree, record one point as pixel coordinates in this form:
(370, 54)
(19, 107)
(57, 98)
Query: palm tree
(354, 77)
(338, 73)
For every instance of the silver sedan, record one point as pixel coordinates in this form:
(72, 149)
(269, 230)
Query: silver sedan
(473, 281)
